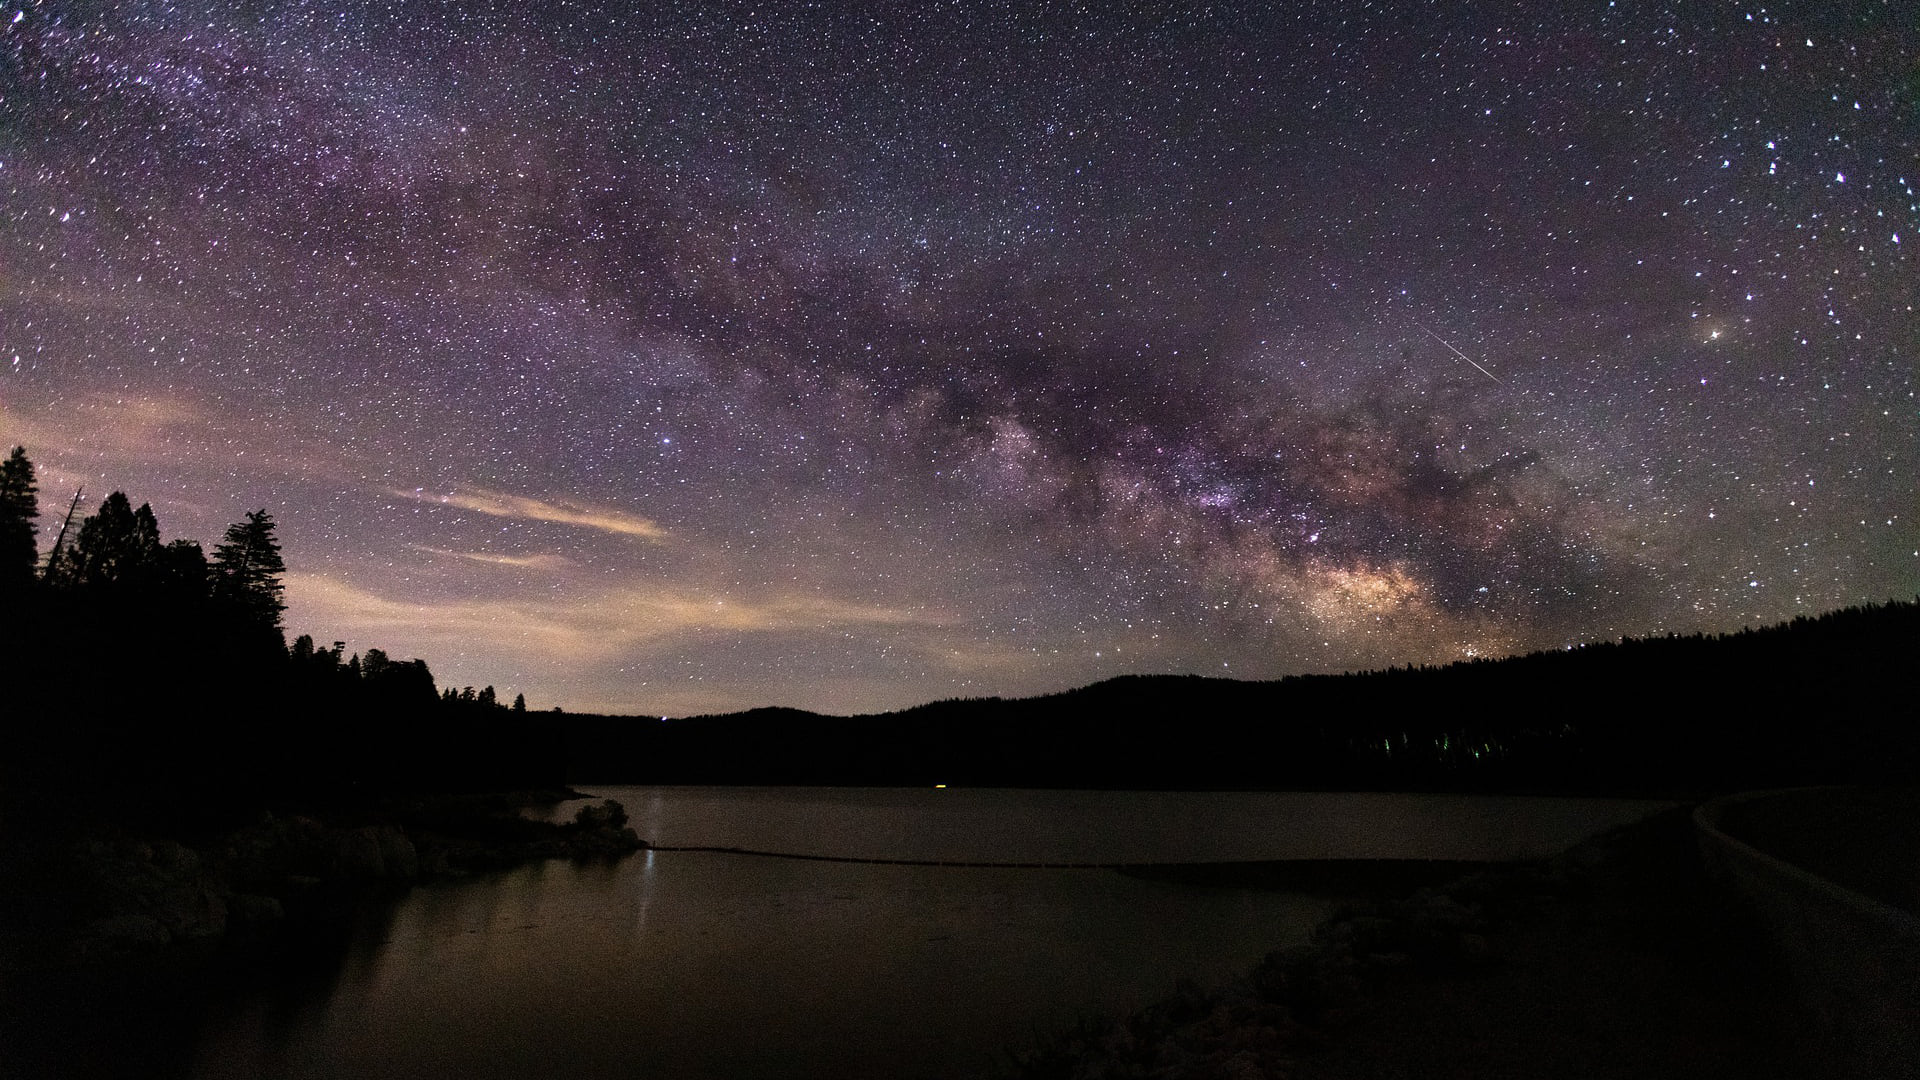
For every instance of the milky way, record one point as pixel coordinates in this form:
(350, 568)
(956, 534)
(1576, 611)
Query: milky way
(849, 356)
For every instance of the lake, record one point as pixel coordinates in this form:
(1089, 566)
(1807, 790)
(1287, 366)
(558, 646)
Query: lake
(707, 965)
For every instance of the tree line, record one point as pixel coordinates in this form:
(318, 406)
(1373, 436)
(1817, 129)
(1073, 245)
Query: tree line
(1833, 698)
(117, 555)
(156, 669)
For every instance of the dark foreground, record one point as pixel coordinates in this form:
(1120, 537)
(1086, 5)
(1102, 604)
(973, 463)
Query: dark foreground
(108, 894)
(1617, 959)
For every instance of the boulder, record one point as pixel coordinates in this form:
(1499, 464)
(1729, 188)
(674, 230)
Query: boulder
(190, 912)
(397, 853)
(608, 815)
(252, 915)
(1308, 978)
(175, 858)
(356, 854)
(118, 935)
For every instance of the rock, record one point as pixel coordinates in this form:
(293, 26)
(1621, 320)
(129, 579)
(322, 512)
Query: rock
(1441, 910)
(1474, 949)
(1243, 1065)
(1307, 978)
(175, 858)
(608, 815)
(117, 935)
(397, 853)
(190, 912)
(1367, 934)
(251, 914)
(356, 854)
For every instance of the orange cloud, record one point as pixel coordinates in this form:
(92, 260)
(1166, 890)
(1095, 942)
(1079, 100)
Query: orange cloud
(611, 623)
(536, 561)
(557, 511)
(109, 426)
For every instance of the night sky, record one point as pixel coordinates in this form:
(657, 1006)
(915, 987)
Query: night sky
(685, 357)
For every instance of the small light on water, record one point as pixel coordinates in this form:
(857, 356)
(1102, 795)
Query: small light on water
(939, 785)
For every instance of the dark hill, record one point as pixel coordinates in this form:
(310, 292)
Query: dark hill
(1828, 698)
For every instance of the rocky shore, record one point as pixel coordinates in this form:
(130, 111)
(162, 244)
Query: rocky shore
(1616, 959)
(115, 894)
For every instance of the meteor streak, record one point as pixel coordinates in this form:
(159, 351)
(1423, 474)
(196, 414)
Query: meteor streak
(1460, 354)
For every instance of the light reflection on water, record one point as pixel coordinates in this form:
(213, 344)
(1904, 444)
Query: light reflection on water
(686, 964)
(1018, 825)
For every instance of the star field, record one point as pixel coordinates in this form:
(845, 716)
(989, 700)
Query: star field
(844, 356)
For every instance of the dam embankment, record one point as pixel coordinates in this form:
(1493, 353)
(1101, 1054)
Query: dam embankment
(1831, 877)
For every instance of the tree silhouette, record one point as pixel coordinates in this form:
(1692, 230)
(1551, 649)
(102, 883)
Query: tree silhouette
(110, 613)
(18, 508)
(116, 545)
(180, 570)
(374, 665)
(246, 572)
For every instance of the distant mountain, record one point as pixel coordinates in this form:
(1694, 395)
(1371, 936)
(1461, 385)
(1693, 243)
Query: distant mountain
(1818, 699)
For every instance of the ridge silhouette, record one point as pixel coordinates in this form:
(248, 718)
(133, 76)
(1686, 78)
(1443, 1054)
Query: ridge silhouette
(151, 676)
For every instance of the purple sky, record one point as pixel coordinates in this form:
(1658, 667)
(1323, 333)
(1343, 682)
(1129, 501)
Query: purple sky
(850, 356)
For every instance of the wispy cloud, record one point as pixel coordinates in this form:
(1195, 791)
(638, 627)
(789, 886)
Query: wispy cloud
(536, 561)
(611, 623)
(558, 511)
(113, 426)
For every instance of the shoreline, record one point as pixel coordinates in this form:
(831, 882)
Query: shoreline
(1615, 958)
(104, 893)
(1614, 950)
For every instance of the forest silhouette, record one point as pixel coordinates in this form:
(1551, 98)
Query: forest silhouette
(156, 678)
(147, 673)
(1827, 699)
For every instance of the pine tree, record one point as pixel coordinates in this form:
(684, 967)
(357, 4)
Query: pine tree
(519, 703)
(246, 572)
(145, 546)
(18, 508)
(117, 545)
(181, 570)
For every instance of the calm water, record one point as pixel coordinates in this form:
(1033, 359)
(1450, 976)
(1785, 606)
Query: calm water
(691, 965)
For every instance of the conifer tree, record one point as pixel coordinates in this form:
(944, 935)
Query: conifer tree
(116, 545)
(181, 570)
(144, 546)
(246, 572)
(18, 508)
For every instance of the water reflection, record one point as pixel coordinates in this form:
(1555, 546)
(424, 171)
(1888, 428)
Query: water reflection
(697, 965)
(714, 965)
(1019, 825)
